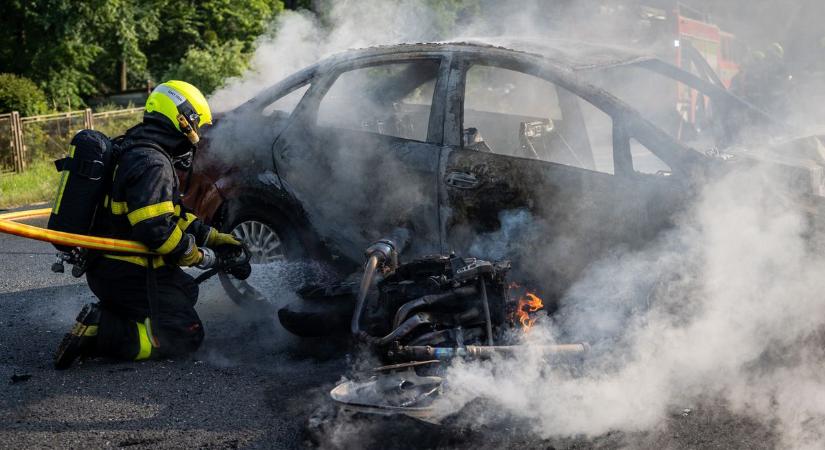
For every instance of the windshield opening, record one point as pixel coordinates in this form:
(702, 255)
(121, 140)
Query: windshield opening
(694, 117)
(683, 112)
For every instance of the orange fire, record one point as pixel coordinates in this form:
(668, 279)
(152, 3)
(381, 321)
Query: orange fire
(528, 303)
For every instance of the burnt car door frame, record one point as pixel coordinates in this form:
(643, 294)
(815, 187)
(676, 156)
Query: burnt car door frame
(626, 124)
(326, 75)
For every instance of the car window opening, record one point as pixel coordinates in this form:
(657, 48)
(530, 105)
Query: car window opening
(282, 107)
(686, 114)
(392, 99)
(511, 113)
(645, 162)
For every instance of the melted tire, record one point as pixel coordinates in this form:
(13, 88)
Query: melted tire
(314, 318)
(322, 311)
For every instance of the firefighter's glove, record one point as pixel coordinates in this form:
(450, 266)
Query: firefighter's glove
(193, 256)
(208, 259)
(216, 239)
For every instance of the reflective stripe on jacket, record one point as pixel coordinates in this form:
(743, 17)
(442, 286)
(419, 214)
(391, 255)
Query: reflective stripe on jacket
(144, 205)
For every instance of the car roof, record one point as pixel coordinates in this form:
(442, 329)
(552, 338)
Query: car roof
(575, 55)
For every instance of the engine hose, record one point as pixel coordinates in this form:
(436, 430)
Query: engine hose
(9, 225)
(363, 290)
(431, 299)
(406, 328)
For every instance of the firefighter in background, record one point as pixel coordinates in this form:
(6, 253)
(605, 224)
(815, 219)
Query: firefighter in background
(146, 304)
(742, 83)
(764, 80)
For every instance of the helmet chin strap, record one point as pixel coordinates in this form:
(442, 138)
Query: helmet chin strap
(185, 161)
(188, 163)
(188, 130)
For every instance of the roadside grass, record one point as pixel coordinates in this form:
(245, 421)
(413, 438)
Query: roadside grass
(37, 184)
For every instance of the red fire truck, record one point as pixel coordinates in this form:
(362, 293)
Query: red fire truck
(719, 48)
(687, 37)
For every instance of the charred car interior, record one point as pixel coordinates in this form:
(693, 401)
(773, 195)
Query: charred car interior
(441, 146)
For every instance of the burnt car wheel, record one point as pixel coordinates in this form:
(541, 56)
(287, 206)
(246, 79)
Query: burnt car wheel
(270, 238)
(324, 310)
(264, 242)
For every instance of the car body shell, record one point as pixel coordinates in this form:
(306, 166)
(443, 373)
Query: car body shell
(460, 197)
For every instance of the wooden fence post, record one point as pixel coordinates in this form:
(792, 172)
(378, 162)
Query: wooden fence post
(18, 151)
(88, 119)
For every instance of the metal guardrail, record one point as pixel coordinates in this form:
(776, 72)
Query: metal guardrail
(47, 135)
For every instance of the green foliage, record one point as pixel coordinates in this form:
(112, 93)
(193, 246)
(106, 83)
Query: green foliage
(451, 12)
(75, 49)
(208, 24)
(70, 47)
(207, 68)
(21, 94)
(127, 27)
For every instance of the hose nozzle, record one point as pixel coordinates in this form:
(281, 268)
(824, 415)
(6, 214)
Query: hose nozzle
(385, 252)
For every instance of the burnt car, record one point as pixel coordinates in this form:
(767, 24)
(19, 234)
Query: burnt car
(535, 151)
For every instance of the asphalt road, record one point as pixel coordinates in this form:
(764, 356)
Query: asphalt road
(247, 387)
(250, 386)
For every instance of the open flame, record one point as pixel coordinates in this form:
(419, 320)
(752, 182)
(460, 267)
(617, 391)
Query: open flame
(528, 303)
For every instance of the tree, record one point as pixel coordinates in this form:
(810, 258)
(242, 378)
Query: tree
(126, 27)
(74, 49)
(47, 41)
(209, 24)
(21, 94)
(207, 68)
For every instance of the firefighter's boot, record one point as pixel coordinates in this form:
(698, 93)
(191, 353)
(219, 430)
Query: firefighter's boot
(81, 340)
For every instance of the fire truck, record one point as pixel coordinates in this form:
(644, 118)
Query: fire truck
(687, 37)
(719, 48)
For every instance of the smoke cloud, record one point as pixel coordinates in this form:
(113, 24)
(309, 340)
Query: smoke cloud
(300, 39)
(727, 304)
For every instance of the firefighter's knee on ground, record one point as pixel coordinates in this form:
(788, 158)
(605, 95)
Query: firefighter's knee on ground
(167, 342)
(146, 342)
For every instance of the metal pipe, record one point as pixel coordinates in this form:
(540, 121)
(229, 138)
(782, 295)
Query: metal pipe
(483, 352)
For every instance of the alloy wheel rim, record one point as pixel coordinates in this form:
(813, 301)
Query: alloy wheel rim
(265, 246)
(264, 243)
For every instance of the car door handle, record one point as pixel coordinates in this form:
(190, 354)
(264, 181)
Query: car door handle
(462, 180)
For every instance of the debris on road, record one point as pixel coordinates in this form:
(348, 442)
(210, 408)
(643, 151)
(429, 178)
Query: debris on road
(15, 378)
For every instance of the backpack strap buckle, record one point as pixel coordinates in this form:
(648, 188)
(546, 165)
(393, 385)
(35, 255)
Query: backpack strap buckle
(92, 170)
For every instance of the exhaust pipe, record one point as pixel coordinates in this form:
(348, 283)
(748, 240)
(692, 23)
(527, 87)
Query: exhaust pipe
(426, 353)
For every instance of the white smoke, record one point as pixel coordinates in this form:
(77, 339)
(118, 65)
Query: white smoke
(301, 39)
(728, 304)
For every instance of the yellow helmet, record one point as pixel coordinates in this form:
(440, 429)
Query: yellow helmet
(183, 104)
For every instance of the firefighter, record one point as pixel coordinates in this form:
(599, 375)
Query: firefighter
(146, 304)
(765, 80)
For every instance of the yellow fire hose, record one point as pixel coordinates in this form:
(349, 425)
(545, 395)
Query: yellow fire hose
(9, 224)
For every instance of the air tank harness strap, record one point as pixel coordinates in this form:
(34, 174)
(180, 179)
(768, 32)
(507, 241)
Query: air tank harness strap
(93, 170)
